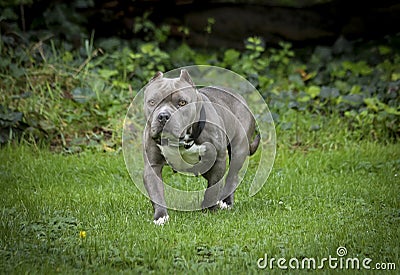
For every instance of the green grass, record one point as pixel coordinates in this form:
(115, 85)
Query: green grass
(313, 203)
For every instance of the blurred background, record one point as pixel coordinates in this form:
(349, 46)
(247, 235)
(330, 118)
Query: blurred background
(217, 23)
(69, 69)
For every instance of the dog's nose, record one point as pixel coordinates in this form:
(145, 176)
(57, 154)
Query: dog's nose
(163, 117)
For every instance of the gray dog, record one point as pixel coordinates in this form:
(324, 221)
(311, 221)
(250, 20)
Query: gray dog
(191, 130)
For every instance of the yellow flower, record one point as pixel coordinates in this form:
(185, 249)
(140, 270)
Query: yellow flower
(82, 234)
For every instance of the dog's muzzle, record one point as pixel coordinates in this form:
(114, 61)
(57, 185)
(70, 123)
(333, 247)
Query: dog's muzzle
(188, 139)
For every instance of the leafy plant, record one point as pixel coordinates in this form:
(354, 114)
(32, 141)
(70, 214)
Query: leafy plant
(76, 98)
(146, 28)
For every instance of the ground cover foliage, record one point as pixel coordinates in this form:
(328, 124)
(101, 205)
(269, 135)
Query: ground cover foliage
(76, 99)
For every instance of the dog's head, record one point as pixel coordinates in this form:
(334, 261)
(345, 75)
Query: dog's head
(171, 106)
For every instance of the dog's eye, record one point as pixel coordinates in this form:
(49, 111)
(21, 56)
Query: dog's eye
(152, 102)
(182, 103)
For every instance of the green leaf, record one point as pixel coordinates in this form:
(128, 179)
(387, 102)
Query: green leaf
(353, 99)
(147, 48)
(296, 80)
(355, 90)
(304, 98)
(313, 91)
(395, 76)
(293, 105)
(329, 92)
(384, 50)
(391, 110)
(359, 68)
(231, 56)
(120, 84)
(10, 119)
(107, 74)
(372, 103)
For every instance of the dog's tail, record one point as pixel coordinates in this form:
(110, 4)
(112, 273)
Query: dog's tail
(254, 145)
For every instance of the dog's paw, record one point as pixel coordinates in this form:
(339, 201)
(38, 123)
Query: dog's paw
(223, 205)
(161, 221)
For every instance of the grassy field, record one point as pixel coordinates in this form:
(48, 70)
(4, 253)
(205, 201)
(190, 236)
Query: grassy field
(82, 213)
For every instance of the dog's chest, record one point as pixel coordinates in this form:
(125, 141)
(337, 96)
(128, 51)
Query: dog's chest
(182, 159)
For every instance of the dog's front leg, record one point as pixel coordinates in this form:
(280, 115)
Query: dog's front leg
(155, 188)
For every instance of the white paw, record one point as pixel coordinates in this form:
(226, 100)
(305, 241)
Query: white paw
(223, 205)
(161, 221)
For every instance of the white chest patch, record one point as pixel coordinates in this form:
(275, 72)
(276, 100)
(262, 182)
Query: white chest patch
(182, 159)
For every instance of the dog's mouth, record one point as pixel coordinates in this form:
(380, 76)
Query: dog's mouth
(185, 141)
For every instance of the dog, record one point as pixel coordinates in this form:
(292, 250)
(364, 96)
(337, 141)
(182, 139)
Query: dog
(194, 131)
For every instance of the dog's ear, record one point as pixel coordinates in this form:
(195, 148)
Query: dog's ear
(186, 77)
(158, 75)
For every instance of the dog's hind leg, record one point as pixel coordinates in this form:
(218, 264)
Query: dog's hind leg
(215, 178)
(238, 157)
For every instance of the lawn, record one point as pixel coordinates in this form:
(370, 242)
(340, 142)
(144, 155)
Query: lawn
(81, 213)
